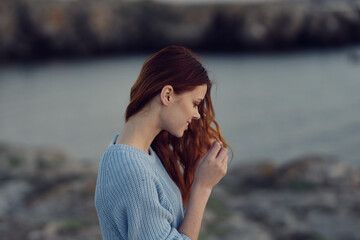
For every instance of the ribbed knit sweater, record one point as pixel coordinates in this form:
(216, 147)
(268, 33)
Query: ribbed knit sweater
(135, 198)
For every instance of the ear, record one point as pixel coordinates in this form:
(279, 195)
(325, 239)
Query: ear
(166, 95)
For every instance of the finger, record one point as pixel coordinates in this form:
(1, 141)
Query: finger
(211, 147)
(223, 157)
(225, 160)
(208, 151)
(214, 150)
(226, 167)
(214, 140)
(223, 152)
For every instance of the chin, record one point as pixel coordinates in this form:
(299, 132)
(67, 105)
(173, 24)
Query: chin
(180, 135)
(177, 134)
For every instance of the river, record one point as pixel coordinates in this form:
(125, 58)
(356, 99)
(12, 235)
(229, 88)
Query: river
(270, 106)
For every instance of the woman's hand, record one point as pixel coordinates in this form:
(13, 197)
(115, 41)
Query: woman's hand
(212, 167)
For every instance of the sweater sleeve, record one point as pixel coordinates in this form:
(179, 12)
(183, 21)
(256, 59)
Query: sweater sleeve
(138, 207)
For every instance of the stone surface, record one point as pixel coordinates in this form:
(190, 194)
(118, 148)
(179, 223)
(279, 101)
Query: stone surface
(45, 195)
(311, 197)
(35, 29)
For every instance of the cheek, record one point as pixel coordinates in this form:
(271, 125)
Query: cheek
(174, 117)
(186, 111)
(178, 114)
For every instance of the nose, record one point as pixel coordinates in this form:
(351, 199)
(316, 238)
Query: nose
(197, 115)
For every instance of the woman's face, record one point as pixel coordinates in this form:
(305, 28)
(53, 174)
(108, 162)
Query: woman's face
(183, 109)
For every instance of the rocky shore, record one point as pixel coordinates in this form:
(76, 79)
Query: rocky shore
(46, 195)
(309, 198)
(36, 29)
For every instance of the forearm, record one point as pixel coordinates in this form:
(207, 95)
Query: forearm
(195, 212)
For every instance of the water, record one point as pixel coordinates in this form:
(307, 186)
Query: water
(269, 106)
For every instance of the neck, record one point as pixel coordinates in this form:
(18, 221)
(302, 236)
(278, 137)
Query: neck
(139, 131)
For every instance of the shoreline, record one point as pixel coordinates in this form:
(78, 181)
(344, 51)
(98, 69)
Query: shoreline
(61, 29)
(48, 195)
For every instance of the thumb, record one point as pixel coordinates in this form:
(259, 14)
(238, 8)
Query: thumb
(211, 150)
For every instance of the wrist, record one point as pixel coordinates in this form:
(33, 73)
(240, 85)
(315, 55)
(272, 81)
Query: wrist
(201, 190)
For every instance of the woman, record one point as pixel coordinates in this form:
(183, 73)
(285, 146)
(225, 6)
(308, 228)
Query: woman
(166, 157)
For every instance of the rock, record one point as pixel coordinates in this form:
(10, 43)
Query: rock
(243, 177)
(13, 195)
(335, 225)
(305, 172)
(311, 197)
(36, 163)
(220, 222)
(312, 170)
(288, 214)
(45, 194)
(82, 28)
(242, 228)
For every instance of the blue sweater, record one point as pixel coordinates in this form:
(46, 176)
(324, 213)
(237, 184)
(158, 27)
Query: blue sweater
(135, 198)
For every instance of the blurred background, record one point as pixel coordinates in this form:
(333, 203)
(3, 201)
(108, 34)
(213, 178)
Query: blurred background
(286, 97)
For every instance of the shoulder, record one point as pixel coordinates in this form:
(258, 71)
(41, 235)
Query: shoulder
(124, 171)
(119, 159)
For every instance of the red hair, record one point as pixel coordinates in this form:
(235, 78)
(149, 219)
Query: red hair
(179, 67)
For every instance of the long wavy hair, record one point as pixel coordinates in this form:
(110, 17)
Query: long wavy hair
(179, 67)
